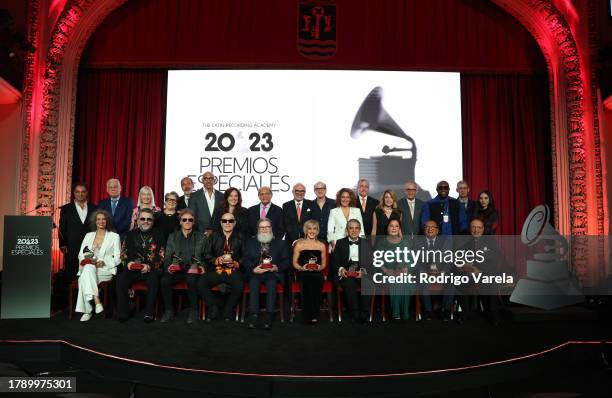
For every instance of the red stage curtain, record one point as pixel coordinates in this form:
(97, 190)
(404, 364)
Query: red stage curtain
(506, 143)
(120, 130)
(455, 35)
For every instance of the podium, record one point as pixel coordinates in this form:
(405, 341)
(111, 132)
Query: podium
(26, 278)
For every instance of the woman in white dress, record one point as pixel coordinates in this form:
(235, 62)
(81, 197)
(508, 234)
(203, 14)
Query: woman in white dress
(98, 259)
(338, 218)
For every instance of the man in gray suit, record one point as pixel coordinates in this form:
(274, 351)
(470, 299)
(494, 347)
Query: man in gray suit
(411, 210)
(206, 204)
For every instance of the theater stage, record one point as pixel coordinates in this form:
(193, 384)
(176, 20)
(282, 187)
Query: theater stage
(297, 359)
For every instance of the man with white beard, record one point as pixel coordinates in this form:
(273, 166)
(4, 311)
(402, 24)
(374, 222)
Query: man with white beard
(265, 260)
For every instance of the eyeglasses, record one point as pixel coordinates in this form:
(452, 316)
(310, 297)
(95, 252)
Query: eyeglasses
(300, 191)
(187, 219)
(443, 187)
(319, 188)
(410, 189)
(208, 178)
(146, 219)
(265, 227)
(170, 200)
(226, 221)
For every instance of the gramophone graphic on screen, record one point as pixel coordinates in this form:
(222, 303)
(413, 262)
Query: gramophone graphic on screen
(385, 171)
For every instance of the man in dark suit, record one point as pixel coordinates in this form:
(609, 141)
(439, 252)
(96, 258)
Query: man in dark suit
(351, 254)
(206, 204)
(411, 208)
(445, 211)
(118, 206)
(321, 207)
(295, 213)
(468, 205)
(468, 294)
(266, 209)
(73, 225)
(433, 263)
(265, 260)
(366, 204)
(187, 188)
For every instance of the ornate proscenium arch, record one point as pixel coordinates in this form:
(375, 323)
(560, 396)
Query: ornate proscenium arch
(577, 211)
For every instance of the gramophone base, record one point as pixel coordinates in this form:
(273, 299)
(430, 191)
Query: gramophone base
(546, 295)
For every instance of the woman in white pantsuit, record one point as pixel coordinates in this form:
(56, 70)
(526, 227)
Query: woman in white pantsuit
(338, 218)
(106, 247)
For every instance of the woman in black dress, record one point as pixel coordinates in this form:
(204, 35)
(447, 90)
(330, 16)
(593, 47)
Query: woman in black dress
(486, 212)
(168, 219)
(385, 211)
(309, 261)
(233, 204)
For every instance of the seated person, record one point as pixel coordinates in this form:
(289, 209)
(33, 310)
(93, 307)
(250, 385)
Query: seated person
(265, 260)
(221, 254)
(144, 253)
(182, 263)
(98, 259)
(309, 261)
(433, 263)
(353, 254)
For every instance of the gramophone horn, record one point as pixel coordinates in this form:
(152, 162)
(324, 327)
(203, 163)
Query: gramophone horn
(373, 116)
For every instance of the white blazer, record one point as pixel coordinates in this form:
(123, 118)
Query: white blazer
(336, 226)
(110, 251)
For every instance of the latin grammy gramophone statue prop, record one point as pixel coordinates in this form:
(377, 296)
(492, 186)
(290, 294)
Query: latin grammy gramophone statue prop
(550, 282)
(388, 171)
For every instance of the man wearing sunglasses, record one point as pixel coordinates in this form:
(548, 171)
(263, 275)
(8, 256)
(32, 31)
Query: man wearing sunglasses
(144, 253)
(182, 263)
(222, 254)
(445, 211)
(206, 204)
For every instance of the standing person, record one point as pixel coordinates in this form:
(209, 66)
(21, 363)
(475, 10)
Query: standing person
(206, 204)
(266, 209)
(187, 188)
(73, 225)
(168, 219)
(468, 205)
(184, 250)
(411, 208)
(146, 200)
(366, 204)
(445, 211)
(120, 207)
(223, 252)
(265, 260)
(295, 214)
(486, 212)
(400, 292)
(386, 209)
(309, 260)
(338, 217)
(144, 253)
(99, 257)
(232, 203)
(321, 207)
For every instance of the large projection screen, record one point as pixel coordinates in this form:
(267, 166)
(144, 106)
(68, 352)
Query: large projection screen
(276, 128)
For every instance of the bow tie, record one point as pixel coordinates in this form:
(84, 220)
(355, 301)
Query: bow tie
(353, 243)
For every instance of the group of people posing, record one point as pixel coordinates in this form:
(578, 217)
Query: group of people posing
(208, 240)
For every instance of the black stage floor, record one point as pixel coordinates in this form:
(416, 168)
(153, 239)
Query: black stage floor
(328, 349)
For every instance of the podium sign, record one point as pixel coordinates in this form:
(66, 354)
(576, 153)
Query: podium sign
(26, 279)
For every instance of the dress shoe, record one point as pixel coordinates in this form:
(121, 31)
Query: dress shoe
(167, 316)
(85, 317)
(427, 316)
(192, 317)
(99, 308)
(446, 316)
(252, 321)
(268, 321)
(212, 314)
(148, 318)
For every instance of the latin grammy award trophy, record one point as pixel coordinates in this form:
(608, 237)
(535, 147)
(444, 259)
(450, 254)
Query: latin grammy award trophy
(383, 172)
(550, 282)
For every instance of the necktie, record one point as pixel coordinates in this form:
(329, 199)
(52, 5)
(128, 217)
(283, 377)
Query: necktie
(263, 211)
(430, 244)
(353, 243)
(411, 209)
(299, 210)
(363, 204)
(113, 206)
